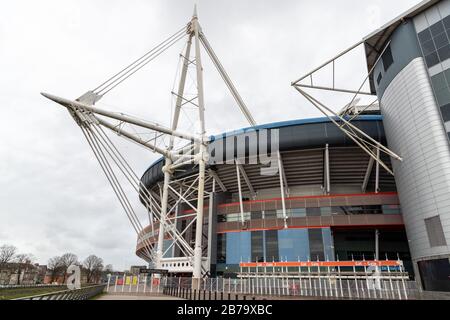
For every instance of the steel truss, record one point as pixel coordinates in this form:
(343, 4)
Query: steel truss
(343, 119)
(190, 191)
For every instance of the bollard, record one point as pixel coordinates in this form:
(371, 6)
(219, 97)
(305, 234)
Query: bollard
(209, 295)
(215, 295)
(221, 295)
(195, 294)
(190, 294)
(229, 296)
(245, 297)
(204, 294)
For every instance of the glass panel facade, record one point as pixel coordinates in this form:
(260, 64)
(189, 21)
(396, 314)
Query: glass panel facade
(293, 244)
(316, 244)
(303, 212)
(271, 245)
(435, 44)
(328, 248)
(238, 246)
(275, 245)
(257, 246)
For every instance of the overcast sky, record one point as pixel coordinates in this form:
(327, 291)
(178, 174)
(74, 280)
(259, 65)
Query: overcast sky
(53, 196)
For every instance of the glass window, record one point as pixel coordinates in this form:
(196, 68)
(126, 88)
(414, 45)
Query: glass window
(424, 35)
(166, 245)
(232, 217)
(221, 248)
(379, 78)
(444, 52)
(441, 40)
(435, 231)
(438, 81)
(338, 210)
(325, 211)
(280, 214)
(447, 75)
(293, 244)
(256, 215)
(328, 244)
(428, 47)
(391, 209)
(270, 214)
(238, 247)
(387, 58)
(298, 212)
(312, 212)
(431, 59)
(316, 244)
(446, 22)
(445, 111)
(443, 96)
(437, 28)
(257, 240)
(271, 245)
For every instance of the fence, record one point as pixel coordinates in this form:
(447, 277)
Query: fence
(284, 287)
(135, 284)
(77, 294)
(13, 286)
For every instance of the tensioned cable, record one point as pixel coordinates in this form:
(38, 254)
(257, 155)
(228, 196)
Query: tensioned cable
(117, 154)
(132, 70)
(102, 165)
(114, 183)
(119, 191)
(131, 211)
(140, 58)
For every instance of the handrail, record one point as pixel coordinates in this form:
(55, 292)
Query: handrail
(77, 294)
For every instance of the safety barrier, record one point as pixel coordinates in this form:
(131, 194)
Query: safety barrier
(76, 294)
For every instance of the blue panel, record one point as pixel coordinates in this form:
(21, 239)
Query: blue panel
(238, 247)
(327, 244)
(166, 244)
(293, 244)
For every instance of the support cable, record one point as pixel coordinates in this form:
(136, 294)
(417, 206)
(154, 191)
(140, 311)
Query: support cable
(114, 83)
(161, 44)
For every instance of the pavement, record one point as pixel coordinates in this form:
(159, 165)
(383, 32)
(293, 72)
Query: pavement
(136, 297)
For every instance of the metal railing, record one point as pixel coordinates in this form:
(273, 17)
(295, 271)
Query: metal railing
(77, 294)
(291, 288)
(14, 286)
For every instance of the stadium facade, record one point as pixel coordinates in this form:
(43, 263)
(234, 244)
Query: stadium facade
(330, 200)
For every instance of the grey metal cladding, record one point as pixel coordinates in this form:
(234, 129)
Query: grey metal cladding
(414, 130)
(404, 48)
(435, 231)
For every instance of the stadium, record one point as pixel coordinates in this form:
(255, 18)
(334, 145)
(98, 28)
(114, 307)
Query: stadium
(338, 203)
(360, 195)
(330, 199)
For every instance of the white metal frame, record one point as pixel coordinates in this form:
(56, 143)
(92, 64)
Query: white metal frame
(87, 117)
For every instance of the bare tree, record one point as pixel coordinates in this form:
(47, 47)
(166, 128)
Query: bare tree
(93, 266)
(55, 265)
(23, 261)
(68, 259)
(109, 268)
(7, 253)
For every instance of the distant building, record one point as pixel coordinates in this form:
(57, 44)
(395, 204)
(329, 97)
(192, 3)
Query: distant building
(21, 274)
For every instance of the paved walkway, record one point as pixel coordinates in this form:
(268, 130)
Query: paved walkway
(135, 297)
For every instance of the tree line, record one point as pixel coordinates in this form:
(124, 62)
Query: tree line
(92, 266)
